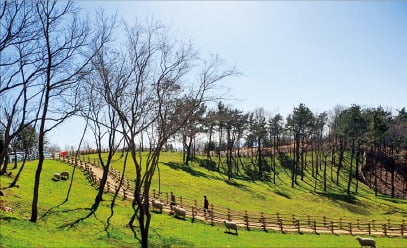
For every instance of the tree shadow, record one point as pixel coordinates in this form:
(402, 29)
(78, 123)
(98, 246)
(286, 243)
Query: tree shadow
(339, 197)
(8, 218)
(72, 224)
(282, 194)
(349, 202)
(164, 241)
(50, 210)
(188, 169)
(286, 161)
(287, 164)
(236, 184)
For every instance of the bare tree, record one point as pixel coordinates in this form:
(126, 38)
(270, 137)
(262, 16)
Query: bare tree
(153, 101)
(19, 70)
(63, 41)
(103, 119)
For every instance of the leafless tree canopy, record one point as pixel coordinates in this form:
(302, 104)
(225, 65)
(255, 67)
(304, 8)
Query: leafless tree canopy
(154, 84)
(141, 84)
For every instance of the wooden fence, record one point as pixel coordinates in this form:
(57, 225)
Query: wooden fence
(86, 166)
(251, 220)
(288, 223)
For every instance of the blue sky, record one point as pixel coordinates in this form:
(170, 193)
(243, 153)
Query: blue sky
(320, 53)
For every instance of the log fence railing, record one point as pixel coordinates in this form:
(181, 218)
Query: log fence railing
(251, 220)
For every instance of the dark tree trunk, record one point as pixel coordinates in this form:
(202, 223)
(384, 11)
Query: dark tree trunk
(220, 146)
(375, 171)
(333, 160)
(19, 172)
(357, 168)
(274, 158)
(259, 159)
(229, 153)
(341, 153)
(99, 195)
(350, 168)
(325, 157)
(208, 152)
(393, 170)
(188, 150)
(302, 159)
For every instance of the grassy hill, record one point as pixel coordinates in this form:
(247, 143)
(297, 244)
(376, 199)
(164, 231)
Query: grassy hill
(192, 182)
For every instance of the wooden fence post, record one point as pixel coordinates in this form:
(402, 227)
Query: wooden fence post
(298, 226)
(315, 226)
(229, 215)
(193, 214)
(153, 193)
(280, 223)
(263, 222)
(373, 225)
(402, 226)
(212, 212)
(368, 226)
(246, 220)
(350, 228)
(166, 197)
(358, 223)
(324, 221)
(340, 223)
(385, 230)
(124, 194)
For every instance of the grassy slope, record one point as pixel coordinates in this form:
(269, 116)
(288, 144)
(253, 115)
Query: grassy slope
(194, 181)
(16, 231)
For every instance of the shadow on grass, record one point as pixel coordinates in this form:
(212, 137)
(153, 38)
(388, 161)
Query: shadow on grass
(72, 224)
(231, 233)
(179, 218)
(348, 202)
(286, 161)
(236, 184)
(188, 169)
(163, 241)
(7, 218)
(282, 194)
(339, 197)
(393, 200)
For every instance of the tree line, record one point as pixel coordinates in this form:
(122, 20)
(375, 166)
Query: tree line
(303, 140)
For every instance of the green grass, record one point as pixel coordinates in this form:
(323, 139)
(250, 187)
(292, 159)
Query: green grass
(193, 182)
(166, 231)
